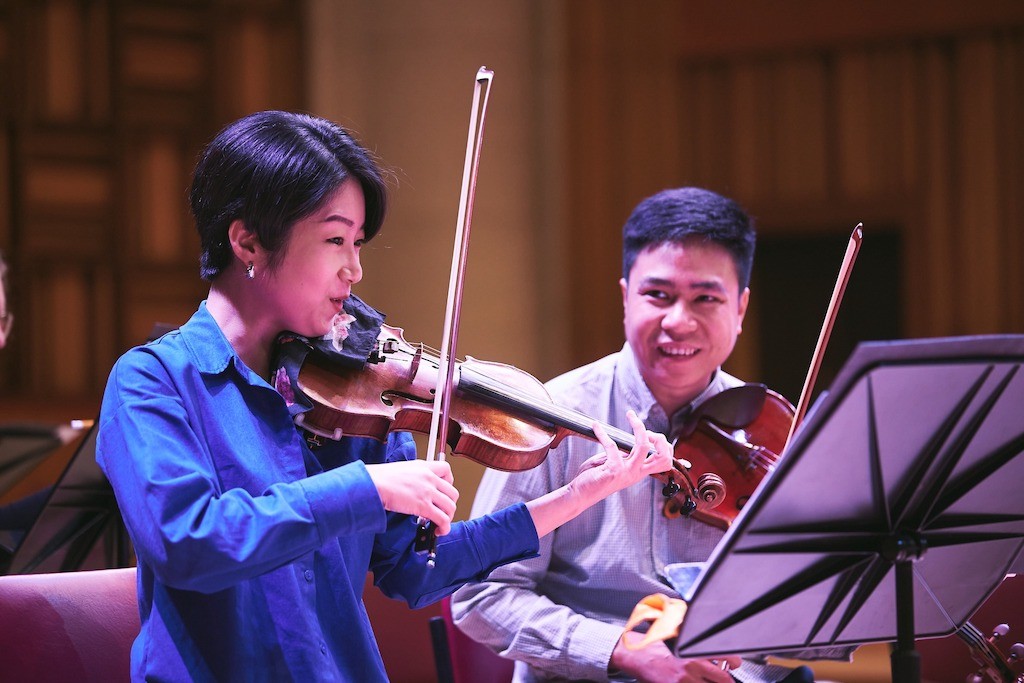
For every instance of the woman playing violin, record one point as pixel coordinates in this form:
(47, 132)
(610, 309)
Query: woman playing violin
(687, 258)
(252, 546)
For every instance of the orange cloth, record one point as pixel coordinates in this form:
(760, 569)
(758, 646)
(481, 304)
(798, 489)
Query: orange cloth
(665, 614)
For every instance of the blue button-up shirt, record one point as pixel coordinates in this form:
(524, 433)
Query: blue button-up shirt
(252, 550)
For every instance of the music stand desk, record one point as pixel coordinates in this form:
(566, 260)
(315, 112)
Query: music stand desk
(80, 524)
(895, 512)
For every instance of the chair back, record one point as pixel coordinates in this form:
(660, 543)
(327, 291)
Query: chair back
(68, 626)
(459, 658)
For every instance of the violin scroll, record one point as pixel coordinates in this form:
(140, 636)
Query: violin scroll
(711, 489)
(995, 666)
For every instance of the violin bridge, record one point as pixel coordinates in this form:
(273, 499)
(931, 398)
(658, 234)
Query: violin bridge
(415, 365)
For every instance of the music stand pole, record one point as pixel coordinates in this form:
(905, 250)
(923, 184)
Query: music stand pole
(905, 661)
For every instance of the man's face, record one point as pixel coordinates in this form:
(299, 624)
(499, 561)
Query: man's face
(683, 312)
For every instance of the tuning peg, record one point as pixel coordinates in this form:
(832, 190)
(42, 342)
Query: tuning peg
(974, 678)
(1000, 631)
(1017, 652)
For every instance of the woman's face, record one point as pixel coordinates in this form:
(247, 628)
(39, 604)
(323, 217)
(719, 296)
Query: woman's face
(320, 264)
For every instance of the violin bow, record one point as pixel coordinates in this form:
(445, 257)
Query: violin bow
(852, 249)
(438, 438)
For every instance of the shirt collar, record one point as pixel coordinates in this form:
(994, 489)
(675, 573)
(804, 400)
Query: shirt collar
(638, 395)
(212, 353)
(210, 350)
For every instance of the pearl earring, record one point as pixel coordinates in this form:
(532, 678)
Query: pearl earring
(249, 271)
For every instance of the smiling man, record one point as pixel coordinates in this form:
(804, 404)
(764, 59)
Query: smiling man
(687, 256)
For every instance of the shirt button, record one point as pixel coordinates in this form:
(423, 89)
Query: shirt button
(309, 575)
(323, 648)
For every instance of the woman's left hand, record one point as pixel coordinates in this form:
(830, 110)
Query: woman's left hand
(613, 470)
(601, 476)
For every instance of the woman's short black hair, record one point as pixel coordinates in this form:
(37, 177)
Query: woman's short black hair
(688, 214)
(271, 169)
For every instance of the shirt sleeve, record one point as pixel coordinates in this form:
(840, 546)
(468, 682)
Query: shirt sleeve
(192, 534)
(508, 613)
(469, 552)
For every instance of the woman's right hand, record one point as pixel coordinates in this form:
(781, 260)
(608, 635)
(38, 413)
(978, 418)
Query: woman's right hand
(417, 487)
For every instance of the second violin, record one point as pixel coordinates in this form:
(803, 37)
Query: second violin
(740, 435)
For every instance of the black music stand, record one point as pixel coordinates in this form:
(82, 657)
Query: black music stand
(80, 524)
(894, 514)
(23, 446)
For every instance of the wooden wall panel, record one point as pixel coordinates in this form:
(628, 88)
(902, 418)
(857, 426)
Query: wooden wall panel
(164, 65)
(65, 193)
(936, 227)
(104, 107)
(6, 67)
(710, 142)
(167, 296)
(64, 46)
(5, 191)
(61, 362)
(256, 58)
(874, 121)
(979, 216)
(70, 349)
(800, 107)
(912, 129)
(6, 359)
(158, 165)
(751, 150)
(1010, 114)
(592, 197)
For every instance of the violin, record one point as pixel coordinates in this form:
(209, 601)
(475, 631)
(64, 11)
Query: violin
(994, 664)
(500, 416)
(739, 434)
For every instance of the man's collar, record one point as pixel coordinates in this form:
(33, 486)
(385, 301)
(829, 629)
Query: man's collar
(637, 394)
(640, 395)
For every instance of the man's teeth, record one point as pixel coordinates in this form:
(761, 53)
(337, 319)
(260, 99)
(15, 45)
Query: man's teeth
(678, 352)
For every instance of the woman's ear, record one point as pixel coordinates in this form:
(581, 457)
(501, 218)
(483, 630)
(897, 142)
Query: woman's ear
(244, 243)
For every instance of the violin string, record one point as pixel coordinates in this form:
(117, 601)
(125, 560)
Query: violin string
(575, 420)
(568, 418)
(572, 419)
(765, 458)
